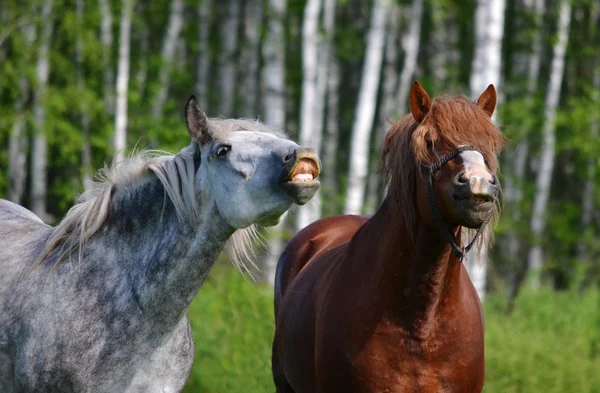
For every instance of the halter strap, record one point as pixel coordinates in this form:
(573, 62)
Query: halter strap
(459, 252)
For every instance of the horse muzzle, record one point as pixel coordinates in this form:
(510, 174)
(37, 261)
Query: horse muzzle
(300, 171)
(474, 196)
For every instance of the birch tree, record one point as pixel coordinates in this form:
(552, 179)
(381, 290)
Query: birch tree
(227, 64)
(389, 106)
(168, 49)
(332, 128)
(489, 30)
(120, 136)
(39, 158)
(274, 106)
(253, 13)
(547, 155)
(17, 143)
(365, 109)
(316, 48)
(517, 160)
(86, 151)
(203, 53)
(106, 36)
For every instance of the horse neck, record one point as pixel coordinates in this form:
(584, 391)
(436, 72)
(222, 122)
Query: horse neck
(164, 260)
(414, 274)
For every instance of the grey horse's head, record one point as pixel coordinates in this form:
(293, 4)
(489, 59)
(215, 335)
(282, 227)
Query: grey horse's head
(253, 173)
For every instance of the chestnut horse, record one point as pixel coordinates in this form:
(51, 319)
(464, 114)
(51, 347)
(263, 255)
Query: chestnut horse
(384, 304)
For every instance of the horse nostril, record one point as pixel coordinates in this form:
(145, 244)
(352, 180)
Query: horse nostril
(288, 157)
(460, 178)
(494, 180)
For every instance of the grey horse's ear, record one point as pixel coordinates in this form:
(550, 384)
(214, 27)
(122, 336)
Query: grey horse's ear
(197, 122)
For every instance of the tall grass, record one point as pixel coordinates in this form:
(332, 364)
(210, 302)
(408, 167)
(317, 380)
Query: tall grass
(550, 344)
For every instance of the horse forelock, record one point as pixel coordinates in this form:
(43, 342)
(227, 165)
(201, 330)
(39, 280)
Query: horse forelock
(455, 121)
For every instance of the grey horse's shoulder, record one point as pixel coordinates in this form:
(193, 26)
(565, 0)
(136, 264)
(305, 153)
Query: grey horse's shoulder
(10, 211)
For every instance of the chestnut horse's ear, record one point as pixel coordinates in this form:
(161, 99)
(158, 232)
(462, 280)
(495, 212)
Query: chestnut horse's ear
(197, 122)
(487, 100)
(419, 102)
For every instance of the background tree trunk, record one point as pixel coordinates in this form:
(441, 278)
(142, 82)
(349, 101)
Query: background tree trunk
(17, 143)
(489, 31)
(203, 53)
(106, 36)
(168, 49)
(274, 108)
(253, 13)
(39, 158)
(120, 136)
(547, 157)
(86, 150)
(227, 64)
(365, 109)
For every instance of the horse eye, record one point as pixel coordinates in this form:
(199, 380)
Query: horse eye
(429, 145)
(223, 150)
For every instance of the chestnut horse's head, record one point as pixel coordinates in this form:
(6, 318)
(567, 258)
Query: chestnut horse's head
(444, 157)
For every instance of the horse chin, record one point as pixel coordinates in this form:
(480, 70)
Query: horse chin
(301, 191)
(472, 214)
(270, 219)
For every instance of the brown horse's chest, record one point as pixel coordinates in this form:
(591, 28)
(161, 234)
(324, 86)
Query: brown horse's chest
(448, 361)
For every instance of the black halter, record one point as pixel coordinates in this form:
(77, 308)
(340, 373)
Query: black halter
(459, 251)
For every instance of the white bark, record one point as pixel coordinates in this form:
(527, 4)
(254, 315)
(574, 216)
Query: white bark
(107, 40)
(411, 50)
(120, 137)
(544, 177)
(274, 106)
(86, 151)
(330, 147)
(142, 73)
(203, 55)
(250, 57)
(168, 48)
(39, 159)
(365, 109)
(587, 208)
(513, 188)
(17, 143)
(227, 65)
(315, 60)
(389, 108)
(489, 30)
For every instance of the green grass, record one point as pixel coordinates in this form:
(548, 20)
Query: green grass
(550, 344)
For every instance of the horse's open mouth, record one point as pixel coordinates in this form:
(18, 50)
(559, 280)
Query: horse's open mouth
(301, 182)
(305, 170)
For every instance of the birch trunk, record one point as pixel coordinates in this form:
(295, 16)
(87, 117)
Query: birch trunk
(315, 52)
(86, 151)
(274, 107)
(411, 50)
(168, 49)
(544, 177)
(515, 182)
(587, 208)
(39, 158)
(17, 143)
(120, 137)
(489, 30)
(141, 75)
(203, 53)
(389, 107)
(227, 61)
(250, 57)
(365, 109)
(330, 147)
(106, 36)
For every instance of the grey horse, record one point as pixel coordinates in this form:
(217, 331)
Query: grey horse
(99, 302)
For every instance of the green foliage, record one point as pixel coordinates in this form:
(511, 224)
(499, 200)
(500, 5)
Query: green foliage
(549, 344)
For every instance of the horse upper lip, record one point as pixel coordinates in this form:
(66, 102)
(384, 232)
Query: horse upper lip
(305, 168)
